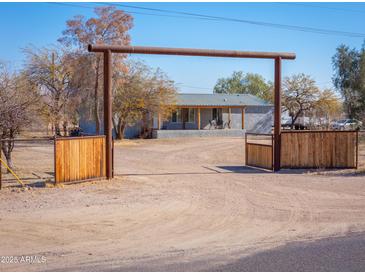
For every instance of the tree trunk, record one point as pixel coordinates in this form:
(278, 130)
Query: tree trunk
(7, 148)
(145, 127)
(65, 123)
(96, 98)
(9, 161)
(57, 128)
(292, 122)
(294, 119)
(120, 131)
(119, 128)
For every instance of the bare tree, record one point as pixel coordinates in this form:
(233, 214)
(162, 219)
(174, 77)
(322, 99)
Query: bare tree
(18, 101)
(110, 26)
(300, 94)
(52, 71)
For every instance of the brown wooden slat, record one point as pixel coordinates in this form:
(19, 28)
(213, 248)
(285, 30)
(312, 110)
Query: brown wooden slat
(318, 149)
(259, 155)
(78, 159)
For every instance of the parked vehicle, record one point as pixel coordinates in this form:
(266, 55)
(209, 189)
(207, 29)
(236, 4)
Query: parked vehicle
(347, 124)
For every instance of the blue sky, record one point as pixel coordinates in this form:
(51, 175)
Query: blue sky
(40, 24)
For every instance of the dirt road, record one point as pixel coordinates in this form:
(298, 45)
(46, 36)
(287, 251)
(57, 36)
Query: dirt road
(185, 201)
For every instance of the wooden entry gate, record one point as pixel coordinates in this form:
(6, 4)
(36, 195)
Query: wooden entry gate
(305, 149)
(79, 158)
(259, 150)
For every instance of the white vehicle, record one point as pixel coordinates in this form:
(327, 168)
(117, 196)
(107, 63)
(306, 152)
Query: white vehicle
(347, 124)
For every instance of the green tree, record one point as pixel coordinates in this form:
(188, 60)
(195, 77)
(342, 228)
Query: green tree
(249, 83)
(349, 79)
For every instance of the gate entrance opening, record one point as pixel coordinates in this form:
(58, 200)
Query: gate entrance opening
(107, 50)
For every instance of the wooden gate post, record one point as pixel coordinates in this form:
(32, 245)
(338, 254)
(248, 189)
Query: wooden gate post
(1, 183)
(277, 114)
(108, 129)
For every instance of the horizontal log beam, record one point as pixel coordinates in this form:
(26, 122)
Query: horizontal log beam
(190, 52)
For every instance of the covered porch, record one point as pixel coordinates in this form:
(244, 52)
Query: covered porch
(203, 118)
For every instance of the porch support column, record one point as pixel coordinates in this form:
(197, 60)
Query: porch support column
(199, 126)
(243, 118)
(277, 114)
(229, 117)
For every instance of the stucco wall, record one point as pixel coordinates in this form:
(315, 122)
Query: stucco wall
(88, 127)
(259, 119)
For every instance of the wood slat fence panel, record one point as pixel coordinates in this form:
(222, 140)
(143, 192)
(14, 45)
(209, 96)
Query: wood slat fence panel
(259, 155)
(79, 158)
(319, 149)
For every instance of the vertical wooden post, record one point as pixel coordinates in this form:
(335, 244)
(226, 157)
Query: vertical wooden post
(277, 114)
(54, 159)
(108, 130)
(357, 150)
(243, 118)
(199, 126)
(113, 159)
(229, 117)
(272, 152)
(246, 154)
(1, 184)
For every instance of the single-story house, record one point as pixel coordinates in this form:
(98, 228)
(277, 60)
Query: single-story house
(215, 115)
(207, 115)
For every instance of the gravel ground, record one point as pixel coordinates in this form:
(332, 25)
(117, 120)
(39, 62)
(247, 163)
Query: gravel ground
(182, 204)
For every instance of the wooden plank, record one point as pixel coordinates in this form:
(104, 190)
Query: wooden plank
(79, 159)
(103, 157)
(259, 155)
(97, 155)
(74, 160)
(60, 167)
(318, 149)
(82, 165)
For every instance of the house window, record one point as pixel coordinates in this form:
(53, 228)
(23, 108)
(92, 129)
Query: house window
(191, 118)
(176, 116)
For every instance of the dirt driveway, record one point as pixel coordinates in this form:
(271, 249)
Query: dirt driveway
(184, 202)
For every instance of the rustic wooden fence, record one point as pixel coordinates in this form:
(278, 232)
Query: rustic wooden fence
(79, 158)
(319, 149)
(259, 153)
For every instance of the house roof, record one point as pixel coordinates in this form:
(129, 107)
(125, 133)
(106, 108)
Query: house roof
(187, 99)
